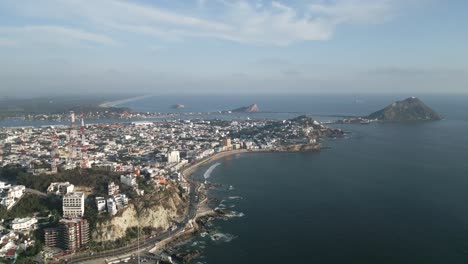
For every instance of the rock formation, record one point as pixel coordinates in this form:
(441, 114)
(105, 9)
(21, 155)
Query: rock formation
(411, 109)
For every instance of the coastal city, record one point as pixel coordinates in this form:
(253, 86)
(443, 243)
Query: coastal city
(88, 177)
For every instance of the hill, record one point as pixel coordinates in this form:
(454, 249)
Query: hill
(247, 109)
(410, 109)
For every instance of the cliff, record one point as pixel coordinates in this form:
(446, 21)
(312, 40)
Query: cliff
(151, 211)
(247, 109)
(411, 109)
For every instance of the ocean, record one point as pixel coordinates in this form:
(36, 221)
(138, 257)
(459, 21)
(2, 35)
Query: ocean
(387, 193)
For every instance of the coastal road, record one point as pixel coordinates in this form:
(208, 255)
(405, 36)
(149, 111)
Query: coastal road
(146, 243)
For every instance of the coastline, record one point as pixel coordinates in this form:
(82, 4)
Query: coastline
(192, 168)
(195, 223)
(195, 219)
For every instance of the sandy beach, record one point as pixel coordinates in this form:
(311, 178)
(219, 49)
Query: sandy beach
(189, 170)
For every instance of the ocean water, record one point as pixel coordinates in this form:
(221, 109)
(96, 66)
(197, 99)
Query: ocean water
(388, 193)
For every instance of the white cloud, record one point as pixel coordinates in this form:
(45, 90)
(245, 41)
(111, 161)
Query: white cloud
(273, 23)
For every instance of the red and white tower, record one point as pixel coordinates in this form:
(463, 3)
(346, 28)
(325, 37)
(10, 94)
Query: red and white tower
(72, 138)
(84, 156)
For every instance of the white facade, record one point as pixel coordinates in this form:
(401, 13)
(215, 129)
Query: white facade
(173, 156)
(129, 179)
(60, 188)
(111, 206)
(101, 204)
(73, 205)
(112, 188)
(116, 203)
(20, 224)
(17, 191)
(9, 195)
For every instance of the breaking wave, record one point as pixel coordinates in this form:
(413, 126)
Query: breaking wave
(222, 237)
(208, 172)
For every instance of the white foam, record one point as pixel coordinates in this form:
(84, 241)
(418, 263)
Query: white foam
(222, 237)
(208, 172)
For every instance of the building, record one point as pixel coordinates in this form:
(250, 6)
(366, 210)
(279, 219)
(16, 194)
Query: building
(173, 156)
(111, 206)
(116, 203)
(112, 189)
(22, 224)
(9, 194)
(226, 142)
(51, 237)
(74, 234)
(73, 205)
(60, 188)
(129, 180)
(101, 204)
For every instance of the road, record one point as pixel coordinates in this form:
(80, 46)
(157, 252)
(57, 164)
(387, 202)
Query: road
(36, 192)
(145, 243)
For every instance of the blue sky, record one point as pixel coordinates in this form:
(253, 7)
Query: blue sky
(232, 46)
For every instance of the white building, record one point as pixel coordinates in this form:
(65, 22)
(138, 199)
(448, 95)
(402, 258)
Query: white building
(111, 206)
(101, 204)
(116, 203)
(73, 205)
(129, 179)
(173, 156)
(112, 188)
(9, 195)
(60, 188)
(20, 224)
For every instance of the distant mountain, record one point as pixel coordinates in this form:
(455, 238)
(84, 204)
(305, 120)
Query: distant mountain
(247, 109)
(410, 109)
(178, 106)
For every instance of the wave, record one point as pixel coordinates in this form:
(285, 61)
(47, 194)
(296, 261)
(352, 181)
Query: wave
(223, 237)
(208, 172)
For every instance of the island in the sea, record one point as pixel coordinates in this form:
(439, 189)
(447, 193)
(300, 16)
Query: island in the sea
(178, 106)
(247, 109)
(410, 109)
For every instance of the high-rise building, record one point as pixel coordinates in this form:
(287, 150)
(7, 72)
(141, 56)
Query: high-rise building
(73, 205)
(173, 156)
(74, 234)
(226, 142)
(51, 237)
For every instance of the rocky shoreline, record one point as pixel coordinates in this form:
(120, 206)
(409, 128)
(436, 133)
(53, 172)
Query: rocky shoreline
(206, 212)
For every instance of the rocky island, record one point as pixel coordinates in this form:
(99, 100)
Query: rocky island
(247, 109)
(178, 106)
(410, 109)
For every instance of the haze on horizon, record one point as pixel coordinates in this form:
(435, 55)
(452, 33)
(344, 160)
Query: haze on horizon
(225, 46)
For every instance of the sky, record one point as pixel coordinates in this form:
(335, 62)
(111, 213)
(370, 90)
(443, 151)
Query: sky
(233, 46)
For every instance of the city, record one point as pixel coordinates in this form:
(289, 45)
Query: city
(125, 163)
